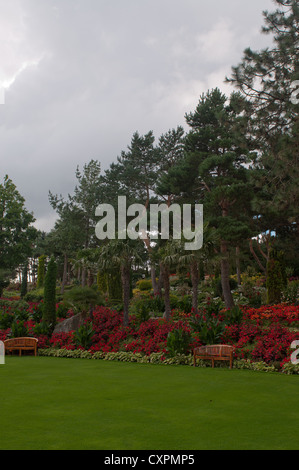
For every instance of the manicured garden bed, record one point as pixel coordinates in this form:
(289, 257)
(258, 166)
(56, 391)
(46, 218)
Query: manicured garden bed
(259, 335)
(58, 403)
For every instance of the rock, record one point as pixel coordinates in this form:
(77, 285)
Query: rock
(70, 324)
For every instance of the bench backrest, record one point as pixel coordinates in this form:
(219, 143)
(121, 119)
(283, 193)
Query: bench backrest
(22, 342)
(222, 350)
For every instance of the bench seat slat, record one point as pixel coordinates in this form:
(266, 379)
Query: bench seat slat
(21, 344)
(221, 352)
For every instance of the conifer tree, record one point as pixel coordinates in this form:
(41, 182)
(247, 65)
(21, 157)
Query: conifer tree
(214, 173)
(269, 80)
(41, 270)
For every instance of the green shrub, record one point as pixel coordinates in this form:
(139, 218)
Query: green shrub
(178, 342)
(142, 310)
(84, 335)
(18, 329)
(184, 303)
(6, 320)
(3, 282)
(21, 314)
(62, 310)
(146, 302)
(213, 307)
(209, 330)
(290, 294)
(42, 329)
(217, 286)
(35, 295)
(144, 284)
(102, 282)
(115, 291)
(288, 368)
(82, 298)
(234, 316)
(37, 313)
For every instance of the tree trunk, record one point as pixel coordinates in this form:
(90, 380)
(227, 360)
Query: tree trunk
(228, 298)
(64, 276)
(90, 278)
(238, 265)
(195, 281)
(165, 273)
(83, 279)
(153, 278)
(125, 277)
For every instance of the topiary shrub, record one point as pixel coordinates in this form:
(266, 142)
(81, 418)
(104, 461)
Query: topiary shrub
(81, 299)
(41, 271)
(144, 284)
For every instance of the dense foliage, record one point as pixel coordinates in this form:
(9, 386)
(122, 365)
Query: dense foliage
(258, 334)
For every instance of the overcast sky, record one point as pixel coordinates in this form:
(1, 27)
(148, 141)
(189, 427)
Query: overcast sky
(81, 76)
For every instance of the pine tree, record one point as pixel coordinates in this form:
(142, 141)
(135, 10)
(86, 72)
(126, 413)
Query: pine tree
(267, 79)
(17, 235)
(214, 173)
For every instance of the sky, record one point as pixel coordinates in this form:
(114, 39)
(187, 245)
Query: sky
(79, 77)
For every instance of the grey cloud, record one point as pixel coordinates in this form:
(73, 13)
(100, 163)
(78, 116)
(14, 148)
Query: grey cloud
(92, 72)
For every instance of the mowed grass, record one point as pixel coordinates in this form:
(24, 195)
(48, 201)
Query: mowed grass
(74, 404)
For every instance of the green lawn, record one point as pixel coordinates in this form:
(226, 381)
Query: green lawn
(54, 403)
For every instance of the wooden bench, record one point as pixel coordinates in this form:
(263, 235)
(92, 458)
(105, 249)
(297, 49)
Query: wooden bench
(21, 344)
(214, 352)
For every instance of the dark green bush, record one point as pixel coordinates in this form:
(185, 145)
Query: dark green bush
(217, 286)
(209, 330)
(62, 310)
(142, 310)
(34, 295)
(178, 342)
(184, 303)
(144, 284)
(42, 329)
(234, 316)
(84, 335)
(6, 320)
(18, 329)
(82, 298)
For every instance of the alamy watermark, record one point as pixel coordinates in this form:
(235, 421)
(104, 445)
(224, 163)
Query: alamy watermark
(295, 93)
(295, 354)
(151, 223)
(2, 353)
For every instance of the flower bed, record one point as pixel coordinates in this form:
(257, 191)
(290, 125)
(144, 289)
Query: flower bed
(282, 313)
(263, 336)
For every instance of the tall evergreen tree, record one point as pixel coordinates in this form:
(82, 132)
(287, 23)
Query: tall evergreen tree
(214, 172)
(17, 234)
(267, 79)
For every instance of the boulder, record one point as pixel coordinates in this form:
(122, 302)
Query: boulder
(70, 324)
